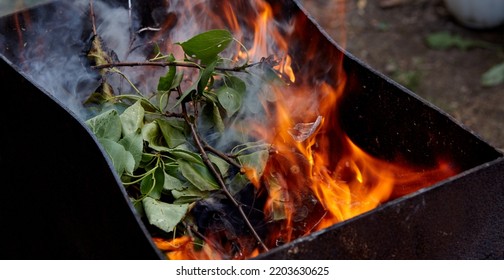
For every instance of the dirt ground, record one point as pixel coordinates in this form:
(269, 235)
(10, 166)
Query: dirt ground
(392, 40)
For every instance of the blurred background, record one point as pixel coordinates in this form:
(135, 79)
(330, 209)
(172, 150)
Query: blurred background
(446, 56)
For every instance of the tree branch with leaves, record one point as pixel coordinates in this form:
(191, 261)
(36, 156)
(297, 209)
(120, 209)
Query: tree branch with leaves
(154, 142)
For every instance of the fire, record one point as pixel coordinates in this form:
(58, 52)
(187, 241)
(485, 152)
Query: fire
(316, 176)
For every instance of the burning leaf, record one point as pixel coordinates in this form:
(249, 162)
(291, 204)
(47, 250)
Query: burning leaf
(206, 46)
(106, 125)
(279, 196)
(493, 76)
(256, 160)
(163, 215)
(302, 131)
(132, 119)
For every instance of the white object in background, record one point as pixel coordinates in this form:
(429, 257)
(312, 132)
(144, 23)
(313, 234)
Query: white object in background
(477, 13)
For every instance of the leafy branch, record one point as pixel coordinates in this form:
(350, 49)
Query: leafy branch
(240, 68)
(149, 141)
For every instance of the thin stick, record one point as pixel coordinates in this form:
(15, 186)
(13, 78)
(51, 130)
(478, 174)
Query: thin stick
(222, 155)
(175, 63)
(217, 174)
(93, 22)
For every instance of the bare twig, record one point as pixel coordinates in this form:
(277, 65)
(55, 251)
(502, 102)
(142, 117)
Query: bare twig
(217, 175)
(174, 115)
(175, 63)
(222, 155)
(93, 20)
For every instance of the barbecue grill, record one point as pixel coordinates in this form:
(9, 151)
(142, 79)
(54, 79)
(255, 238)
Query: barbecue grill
(52, 168)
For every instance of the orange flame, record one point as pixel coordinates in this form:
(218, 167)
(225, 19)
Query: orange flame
(302, 174)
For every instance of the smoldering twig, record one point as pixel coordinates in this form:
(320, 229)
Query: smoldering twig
(216, 173)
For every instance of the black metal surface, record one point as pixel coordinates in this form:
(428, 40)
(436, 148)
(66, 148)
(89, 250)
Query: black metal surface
(61, 199)
(53, 169)
(459, 219)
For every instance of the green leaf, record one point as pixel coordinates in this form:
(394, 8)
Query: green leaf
(152, 184)
(235, 83)
(163, 215)
(177, 80)
(206, 74)
(121, 159)
(165, 82)
(210, 117)
(186, 94)
(153, 136)
(171, 183)
(207, 45)
(494, 76)
(238, 182)
(132, 119)
(230, 99)
(188, 195)
(162, 100)
(133, 143)
(256, 160)
(198, 175)
(280, 197)
(106, 125)
(185, 154)
(217, 118)
(173, 131)
(445, 40)
(221, 164)
(137, 204)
